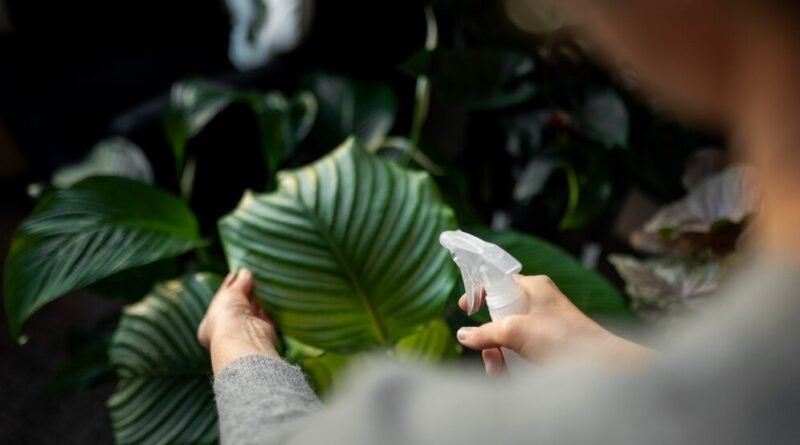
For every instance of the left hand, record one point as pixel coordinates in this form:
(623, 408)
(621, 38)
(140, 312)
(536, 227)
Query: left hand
(234, 325)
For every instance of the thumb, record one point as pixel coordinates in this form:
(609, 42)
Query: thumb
(489, 335)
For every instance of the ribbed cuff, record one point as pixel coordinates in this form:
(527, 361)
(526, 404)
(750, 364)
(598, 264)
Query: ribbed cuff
(260, 371)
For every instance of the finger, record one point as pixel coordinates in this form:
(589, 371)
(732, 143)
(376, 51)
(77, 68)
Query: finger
(242, 282)
(490, 335)
(202, 335)
(229, 278)
(462, 302)
(493, 362)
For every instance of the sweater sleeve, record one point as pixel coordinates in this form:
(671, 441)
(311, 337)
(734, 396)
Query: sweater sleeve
(259, 398)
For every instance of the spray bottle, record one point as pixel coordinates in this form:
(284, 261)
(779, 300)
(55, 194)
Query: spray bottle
(486, 266)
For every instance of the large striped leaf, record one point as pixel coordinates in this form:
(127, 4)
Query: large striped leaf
(164, 393)
(89, 231)
(345, 252)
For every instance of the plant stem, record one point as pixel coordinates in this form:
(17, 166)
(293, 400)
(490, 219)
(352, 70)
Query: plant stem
(423, 91)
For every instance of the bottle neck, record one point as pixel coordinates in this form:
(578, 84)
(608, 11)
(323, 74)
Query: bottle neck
(503, 293)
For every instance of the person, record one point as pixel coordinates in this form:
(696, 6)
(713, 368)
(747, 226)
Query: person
(728, 377)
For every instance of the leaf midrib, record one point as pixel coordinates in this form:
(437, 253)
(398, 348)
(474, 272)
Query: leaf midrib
(377, 326)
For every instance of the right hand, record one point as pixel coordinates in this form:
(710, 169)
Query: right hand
(553, 331)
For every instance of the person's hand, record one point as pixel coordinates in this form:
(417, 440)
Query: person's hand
(553, 331)
(234, 325)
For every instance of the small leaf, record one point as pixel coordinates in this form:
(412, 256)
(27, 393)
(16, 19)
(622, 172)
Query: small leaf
(729, 196)
(662, 286)
(345, 251)
(537, 16)
(79, 235)
(604, 118)
(362, 109)
(111, 157)
(588, 290)
(164, 392)
(283, 124)
(431, 343)
(192, 105)
(324, 370)
(477, 78)
(533, 178)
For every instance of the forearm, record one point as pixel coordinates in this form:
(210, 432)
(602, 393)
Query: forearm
(258, 396)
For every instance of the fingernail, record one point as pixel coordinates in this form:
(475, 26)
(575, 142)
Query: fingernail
(463, 333)
(245, 273)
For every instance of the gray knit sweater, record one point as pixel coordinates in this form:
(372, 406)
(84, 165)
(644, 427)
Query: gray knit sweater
(731, 377)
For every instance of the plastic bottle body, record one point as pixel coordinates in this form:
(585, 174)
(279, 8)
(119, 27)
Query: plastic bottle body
(499, 308)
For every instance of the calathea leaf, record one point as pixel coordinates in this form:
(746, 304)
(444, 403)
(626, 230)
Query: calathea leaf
(78, 235)
(345, 252)
(164, 392)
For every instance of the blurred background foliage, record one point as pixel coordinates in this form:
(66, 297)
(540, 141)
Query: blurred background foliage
(529, 142)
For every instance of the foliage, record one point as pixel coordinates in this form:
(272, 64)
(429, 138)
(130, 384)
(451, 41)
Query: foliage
(589, 291)
(343, 241)
(78, 235)
(111, 157)
(283, 122)
(163, 393)
(364, 247)
(696, 241)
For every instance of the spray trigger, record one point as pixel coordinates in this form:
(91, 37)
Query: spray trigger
(472, 288)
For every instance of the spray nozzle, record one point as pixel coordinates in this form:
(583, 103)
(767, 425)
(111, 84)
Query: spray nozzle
(482, 264)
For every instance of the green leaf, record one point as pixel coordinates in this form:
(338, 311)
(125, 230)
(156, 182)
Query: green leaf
(192, 105)
(588, 290)
(431, 343)
(283, 124)
(110, 157)
(97, 227)
(605, 119)
(478, 78)
(324, 370)
(363, 109)
(164, 393)
(345, 252)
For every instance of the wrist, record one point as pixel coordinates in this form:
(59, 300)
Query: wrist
(225, 347)
(620, 354)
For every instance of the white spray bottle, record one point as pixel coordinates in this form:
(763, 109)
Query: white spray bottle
(486, 265)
